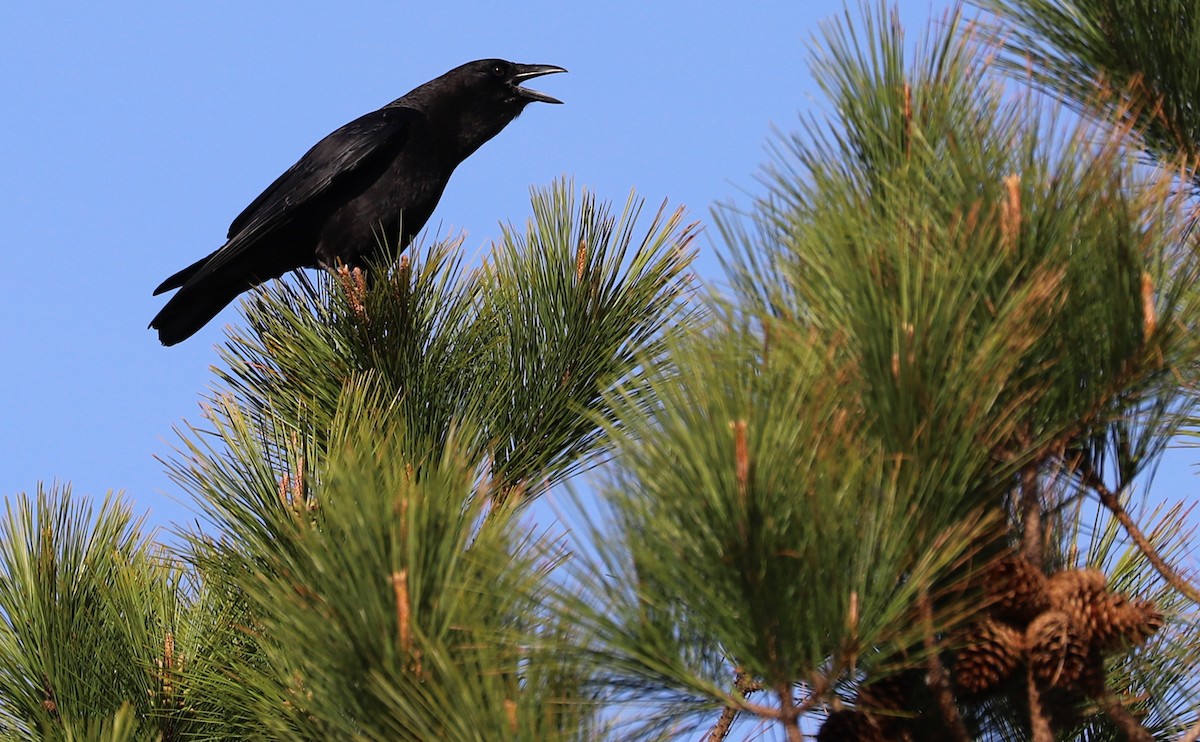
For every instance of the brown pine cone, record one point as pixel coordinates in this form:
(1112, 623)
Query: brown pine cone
(1083, 595)
(991, 651)
(1058, 651)
(850, 726)
(1015, 590)
(890, 693)
(1108, 619)
(1133, 622)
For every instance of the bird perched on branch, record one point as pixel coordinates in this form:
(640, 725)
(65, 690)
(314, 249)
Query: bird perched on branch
(373, 182)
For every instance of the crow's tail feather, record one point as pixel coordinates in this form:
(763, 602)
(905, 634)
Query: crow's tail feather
(192, 308)
(180, 278)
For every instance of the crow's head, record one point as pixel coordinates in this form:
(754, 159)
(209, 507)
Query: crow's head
(495, 77)
(472, 103)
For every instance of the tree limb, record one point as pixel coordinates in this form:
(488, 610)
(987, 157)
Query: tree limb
(721, 729)
(937, 678)
(1125, 721)
(1113, 503)
(742, 685)
(789, 713)
(1031, 517)
(1039, 721)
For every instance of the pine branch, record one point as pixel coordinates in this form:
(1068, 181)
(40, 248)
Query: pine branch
(789, 713)
(1125, 721)
(743, 686)
(937, 678)
(1039, 717)
(1032, 536)
(724, 724)
(1113, 503)
(1123, 60)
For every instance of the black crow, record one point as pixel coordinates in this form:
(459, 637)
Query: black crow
(374, 181)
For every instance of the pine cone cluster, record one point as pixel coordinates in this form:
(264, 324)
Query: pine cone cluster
(1061, 625)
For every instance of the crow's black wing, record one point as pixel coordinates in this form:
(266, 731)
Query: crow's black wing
(364, 144)
(333, 159)
(337, 156)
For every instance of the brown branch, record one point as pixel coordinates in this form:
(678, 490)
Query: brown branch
(743, 686)
(938, 679)
(1125, 721)
(793, 732)
(1109, 499)
(1031, 517)
(789, 713)
(1039, 720)
(741, 705)
(759, 710)
(721, 730)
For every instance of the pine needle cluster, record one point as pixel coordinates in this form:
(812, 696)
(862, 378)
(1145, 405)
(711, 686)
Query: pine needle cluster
(951, 320)
(360, 571)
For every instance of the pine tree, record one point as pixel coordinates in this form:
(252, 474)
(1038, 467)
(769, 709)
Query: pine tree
(954, 323)
(887, 482)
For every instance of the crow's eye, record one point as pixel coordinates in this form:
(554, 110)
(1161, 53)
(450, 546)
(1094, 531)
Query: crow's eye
(498, 70)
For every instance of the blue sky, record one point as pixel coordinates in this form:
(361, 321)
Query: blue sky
(134, 132)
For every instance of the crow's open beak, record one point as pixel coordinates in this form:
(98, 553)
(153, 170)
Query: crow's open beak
(530, 71)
